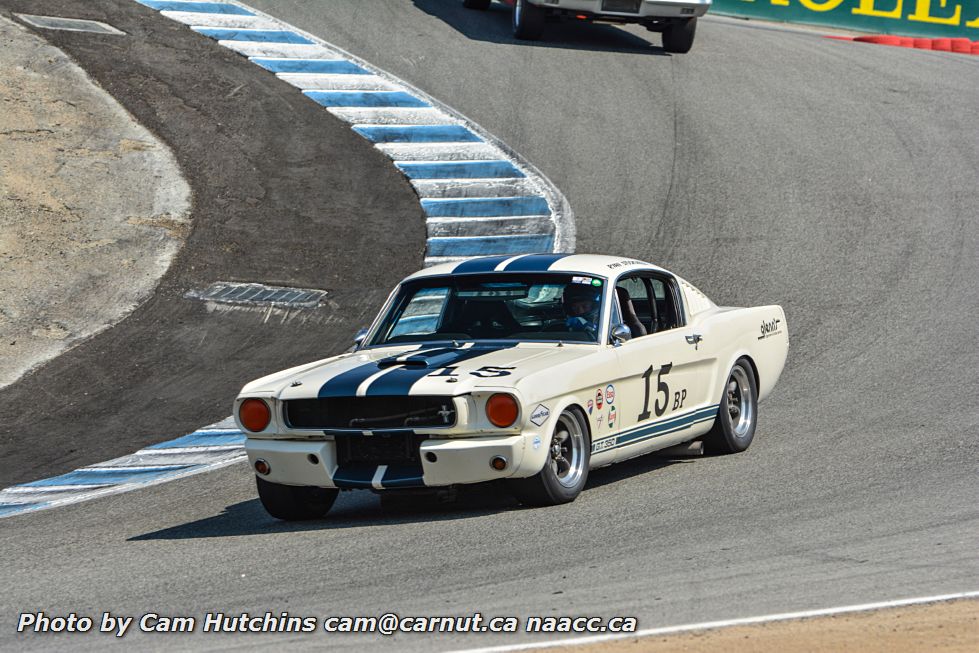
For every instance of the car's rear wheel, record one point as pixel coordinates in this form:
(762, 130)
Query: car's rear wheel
(678, 35)
(528, 21)
(294, 503)
(737, 416)
(566, 469)
(476, 4)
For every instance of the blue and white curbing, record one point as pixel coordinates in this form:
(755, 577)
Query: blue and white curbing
(205, 449)
(479, 196)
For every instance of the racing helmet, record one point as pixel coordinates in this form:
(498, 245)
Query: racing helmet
(582, 301)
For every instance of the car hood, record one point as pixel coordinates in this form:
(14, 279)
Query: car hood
(429, 370)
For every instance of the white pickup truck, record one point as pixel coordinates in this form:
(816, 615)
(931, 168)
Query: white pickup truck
(675, 19)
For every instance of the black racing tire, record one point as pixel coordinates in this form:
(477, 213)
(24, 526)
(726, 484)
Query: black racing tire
(528, 21)
(737, 416)
(295, 503)
(481, 5)
(678, 35)
(559, 482)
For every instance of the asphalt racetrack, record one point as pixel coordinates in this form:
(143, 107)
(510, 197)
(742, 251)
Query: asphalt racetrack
(766, 166)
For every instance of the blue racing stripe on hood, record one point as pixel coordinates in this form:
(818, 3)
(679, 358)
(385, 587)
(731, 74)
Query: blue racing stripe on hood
(346, 383)
(534, 262)
(399, 381)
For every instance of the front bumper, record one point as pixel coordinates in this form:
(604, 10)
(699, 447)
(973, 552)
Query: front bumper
(648, 9)
(445, 461)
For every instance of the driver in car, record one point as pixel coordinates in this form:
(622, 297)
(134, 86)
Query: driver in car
(581, 304)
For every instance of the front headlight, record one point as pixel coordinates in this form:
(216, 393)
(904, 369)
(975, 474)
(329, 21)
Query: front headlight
(502, 410)
(254, 415)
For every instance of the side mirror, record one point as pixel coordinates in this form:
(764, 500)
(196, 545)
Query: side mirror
(620, 333)
(359, 338)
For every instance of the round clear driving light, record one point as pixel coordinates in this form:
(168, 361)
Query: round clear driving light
(263, 467)
(498, 463)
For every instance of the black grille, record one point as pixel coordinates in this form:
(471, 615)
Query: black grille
(369, 413)
(622, 6)
(379, 449)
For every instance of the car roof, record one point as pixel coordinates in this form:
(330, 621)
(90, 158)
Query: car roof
(596, 264)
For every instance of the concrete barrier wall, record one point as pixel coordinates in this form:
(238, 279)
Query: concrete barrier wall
(933, 18)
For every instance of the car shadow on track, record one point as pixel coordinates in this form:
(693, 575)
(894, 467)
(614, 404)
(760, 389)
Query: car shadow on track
(352, 510)
(363, 509)
(631, 468)
(494, 26)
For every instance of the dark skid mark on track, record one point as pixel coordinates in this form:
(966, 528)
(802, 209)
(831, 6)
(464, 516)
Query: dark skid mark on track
(494, 25)
(283, 194)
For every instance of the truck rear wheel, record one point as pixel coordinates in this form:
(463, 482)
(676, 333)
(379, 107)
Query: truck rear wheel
(528, 21)
(678, 35)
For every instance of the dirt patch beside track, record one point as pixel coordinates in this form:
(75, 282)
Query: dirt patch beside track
(951, 627)
(92, 206)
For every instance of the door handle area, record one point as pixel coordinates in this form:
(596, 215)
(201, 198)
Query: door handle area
(695, 340)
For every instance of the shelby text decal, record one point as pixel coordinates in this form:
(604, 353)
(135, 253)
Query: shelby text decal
(769, 328)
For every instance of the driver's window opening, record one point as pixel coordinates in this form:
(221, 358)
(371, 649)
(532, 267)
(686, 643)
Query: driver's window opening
(647, 305)
(543, 307)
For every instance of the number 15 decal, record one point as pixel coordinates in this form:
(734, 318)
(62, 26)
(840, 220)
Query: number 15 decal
(661, 387)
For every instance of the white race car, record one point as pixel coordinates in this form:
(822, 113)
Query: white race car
(676, 19)
(532, 368)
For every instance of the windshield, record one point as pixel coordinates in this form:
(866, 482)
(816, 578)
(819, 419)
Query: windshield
(505, 306)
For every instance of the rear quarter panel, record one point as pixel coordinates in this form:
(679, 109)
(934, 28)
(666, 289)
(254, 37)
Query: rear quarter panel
(759, 333)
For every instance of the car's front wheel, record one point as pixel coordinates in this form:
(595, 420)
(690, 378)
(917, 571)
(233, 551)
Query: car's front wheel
(737, 416)
(678, 35)
(294, 503)
(528, 21)
(566, 469)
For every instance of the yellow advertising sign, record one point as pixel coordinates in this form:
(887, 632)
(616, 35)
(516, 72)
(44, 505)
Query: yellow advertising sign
(934, 18)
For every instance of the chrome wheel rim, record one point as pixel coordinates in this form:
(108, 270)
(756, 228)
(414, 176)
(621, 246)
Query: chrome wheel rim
(567, 458)
(740, 405)
(518, 13)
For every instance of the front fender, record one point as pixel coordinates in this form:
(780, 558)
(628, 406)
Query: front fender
(537, 449)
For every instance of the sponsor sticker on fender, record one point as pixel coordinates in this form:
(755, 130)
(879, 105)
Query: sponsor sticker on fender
(540, 414)
(611, 417)
(591, 406)
(599, 397)
(610, 394)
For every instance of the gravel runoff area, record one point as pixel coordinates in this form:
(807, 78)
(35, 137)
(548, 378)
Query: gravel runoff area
(949, 627)
(92, 206)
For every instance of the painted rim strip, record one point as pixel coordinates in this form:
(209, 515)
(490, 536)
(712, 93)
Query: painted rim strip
(208, 448)
(479, 196)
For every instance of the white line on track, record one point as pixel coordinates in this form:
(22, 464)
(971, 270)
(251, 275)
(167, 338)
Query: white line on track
(709, 625)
